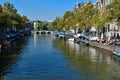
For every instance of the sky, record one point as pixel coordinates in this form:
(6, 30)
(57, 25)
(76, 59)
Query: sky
(44, 10)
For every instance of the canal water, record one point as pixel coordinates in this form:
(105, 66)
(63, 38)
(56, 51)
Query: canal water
(44, 57)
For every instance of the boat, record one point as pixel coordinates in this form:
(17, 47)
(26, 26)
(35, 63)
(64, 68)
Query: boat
(4, 43)
(116, 53)
(71, 39)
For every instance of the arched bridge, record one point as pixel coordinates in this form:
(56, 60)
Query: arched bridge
(42, 32)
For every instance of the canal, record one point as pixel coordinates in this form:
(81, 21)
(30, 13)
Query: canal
(44, 57)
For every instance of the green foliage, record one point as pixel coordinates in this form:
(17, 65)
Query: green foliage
(113, 11)
(9, 8)
(1, 9)
(69, 19)
(84, 15)
(40, 25)
(9, 17)
(58, 23)
(87, 16)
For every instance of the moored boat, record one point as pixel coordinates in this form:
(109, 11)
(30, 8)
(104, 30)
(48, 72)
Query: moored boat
(71, 39)
(116, 53)
(4, 43)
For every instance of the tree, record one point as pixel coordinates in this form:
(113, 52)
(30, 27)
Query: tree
(24, 21)
(113, 11)
(9, 17)
(69, 20)
(1, 8)
(9, 8)
(86, 15)
(41, 25)
(57, 23)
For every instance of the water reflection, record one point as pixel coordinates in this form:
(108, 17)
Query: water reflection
(73, 47)
(91, 63)
(43, 57)
(116, 59)
(9, 56)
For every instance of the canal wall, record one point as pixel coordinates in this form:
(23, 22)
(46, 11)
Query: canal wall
(110, 48)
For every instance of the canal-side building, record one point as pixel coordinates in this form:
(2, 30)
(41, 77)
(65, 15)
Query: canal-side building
(112, 29)
(101, 4)
(35, 26)
(77, 6)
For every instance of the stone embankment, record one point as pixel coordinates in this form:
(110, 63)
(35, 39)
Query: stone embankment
(110, 48)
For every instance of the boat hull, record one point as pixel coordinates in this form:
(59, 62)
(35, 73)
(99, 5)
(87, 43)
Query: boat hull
(4, 43)
(117, 53)
(71, 39)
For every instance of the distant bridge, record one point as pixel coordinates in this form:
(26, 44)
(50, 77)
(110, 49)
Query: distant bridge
(42, 32)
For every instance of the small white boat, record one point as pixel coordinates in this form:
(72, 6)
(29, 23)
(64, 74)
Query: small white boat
(117, 53)
(71, 39)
